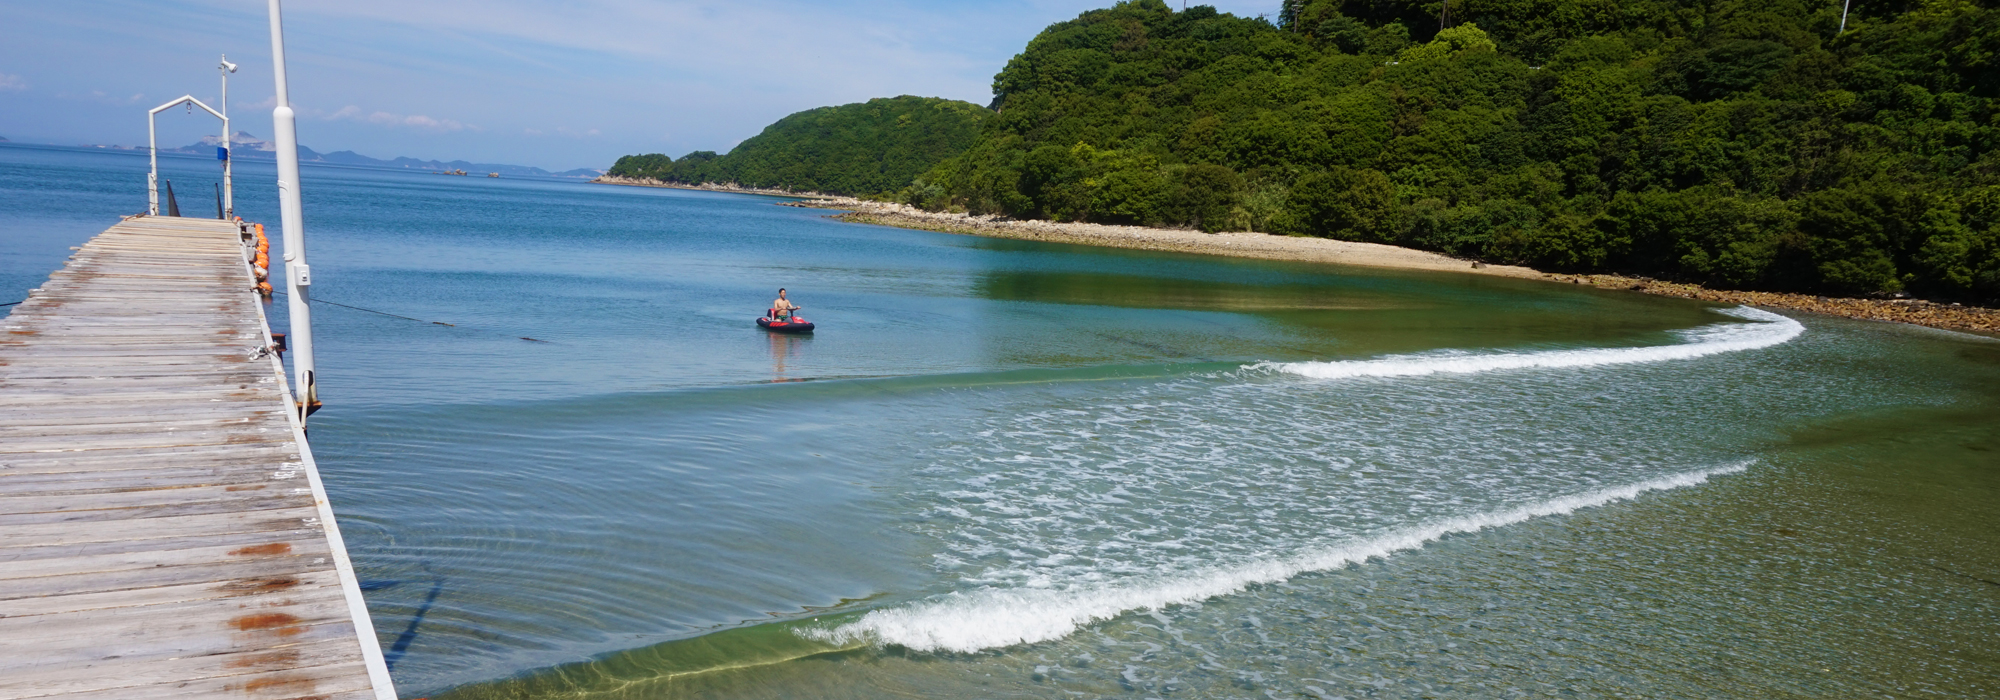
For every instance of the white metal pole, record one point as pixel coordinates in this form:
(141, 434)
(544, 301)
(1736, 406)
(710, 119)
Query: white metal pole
(229, 148)
(153, 176)
(1843, 16)
(298, 282)
(298, 276)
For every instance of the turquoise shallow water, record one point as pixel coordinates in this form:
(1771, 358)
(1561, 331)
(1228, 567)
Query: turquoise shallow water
(1006, 469)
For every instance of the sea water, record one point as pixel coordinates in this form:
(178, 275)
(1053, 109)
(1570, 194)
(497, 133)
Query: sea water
(1011, 469)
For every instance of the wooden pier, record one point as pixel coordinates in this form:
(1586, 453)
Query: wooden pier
(163, 529)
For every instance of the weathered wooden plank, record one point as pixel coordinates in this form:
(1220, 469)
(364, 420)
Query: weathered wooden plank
(30, 503)
(87, 424)
(156, 382)
(207, 360)
(159, 397)
(331, 682)
(160, 478)
(305, 546)
(59, 550)
(26, 399)
(260, 455)
(160, 595)
(21, 510)
(274, 574)
(191, 638)
(190, 626)
(87, 414)
(151, 528)
(269, 571)
(134, 424)
(296, 671)
(160, 439)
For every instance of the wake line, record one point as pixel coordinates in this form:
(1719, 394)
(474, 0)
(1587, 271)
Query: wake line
(991, 619)
(1706, 340)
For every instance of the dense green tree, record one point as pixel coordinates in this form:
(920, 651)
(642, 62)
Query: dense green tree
(650, 165)
(1732, 142)
(1353, 204)
(1203, 196)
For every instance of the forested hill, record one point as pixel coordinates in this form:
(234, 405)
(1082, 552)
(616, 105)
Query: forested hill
(1733, 142)
(867, 148)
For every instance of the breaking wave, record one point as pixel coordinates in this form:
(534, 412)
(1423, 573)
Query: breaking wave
(995, 618)
(1771, 329)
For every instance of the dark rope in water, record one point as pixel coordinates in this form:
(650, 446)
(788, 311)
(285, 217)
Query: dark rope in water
(11, 303)
(384, 313)
(406, 318)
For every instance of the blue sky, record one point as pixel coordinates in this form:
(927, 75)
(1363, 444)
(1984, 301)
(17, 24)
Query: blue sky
(558, 85)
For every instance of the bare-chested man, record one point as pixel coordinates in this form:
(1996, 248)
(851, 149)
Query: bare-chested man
(782, 308)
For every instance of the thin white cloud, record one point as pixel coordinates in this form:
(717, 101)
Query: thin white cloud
(102, 97)
(9, 81)
(769, 45)
(420, 121)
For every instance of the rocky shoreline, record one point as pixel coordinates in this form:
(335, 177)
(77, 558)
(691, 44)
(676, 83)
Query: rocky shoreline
(1257, 245)
(1918, 312)
(729, 187)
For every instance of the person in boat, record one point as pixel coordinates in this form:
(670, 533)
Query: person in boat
(781, 310)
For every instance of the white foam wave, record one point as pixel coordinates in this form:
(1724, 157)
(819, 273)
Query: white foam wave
(994, 618)
(1772, 329)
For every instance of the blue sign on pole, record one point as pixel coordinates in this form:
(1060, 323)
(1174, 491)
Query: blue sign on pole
(221, 153)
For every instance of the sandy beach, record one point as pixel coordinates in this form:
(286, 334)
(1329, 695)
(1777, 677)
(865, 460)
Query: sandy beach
(1324, 250)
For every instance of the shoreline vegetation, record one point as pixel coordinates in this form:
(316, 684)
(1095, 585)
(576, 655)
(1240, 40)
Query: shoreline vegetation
(1264, 246)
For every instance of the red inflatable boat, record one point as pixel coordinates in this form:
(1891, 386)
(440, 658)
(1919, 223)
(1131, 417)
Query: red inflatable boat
(793, 324)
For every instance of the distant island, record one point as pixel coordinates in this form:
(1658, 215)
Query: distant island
(871, 148)
(244, 146)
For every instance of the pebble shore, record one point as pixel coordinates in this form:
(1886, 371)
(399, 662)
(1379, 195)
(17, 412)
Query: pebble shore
(1912, 311)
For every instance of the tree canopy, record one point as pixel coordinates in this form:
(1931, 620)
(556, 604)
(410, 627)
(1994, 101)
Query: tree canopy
(866, 148)
(1744, 143)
